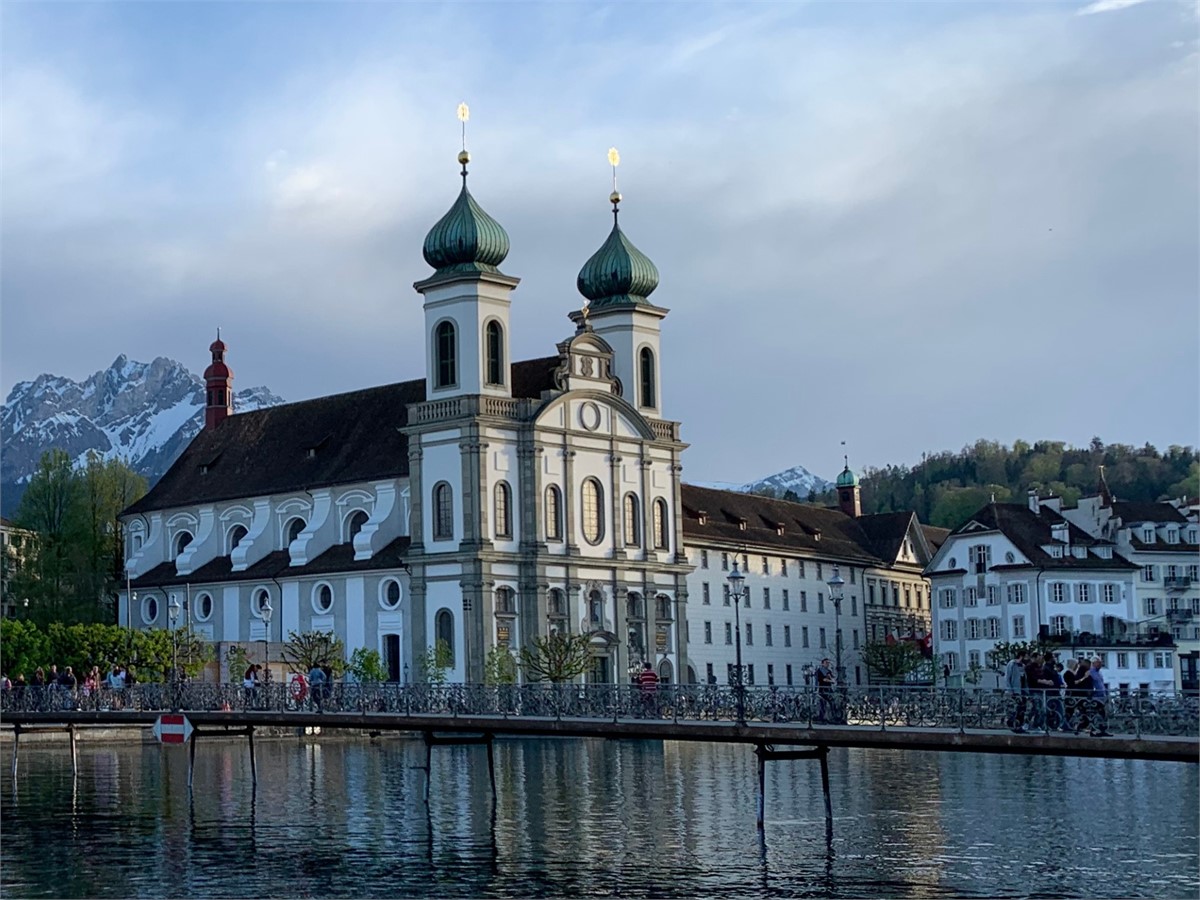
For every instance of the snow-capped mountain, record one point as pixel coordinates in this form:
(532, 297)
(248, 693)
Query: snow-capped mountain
(144, 412)
(797, 479)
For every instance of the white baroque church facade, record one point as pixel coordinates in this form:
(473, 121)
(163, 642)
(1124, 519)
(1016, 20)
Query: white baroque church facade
(491, 501)
(480, 505)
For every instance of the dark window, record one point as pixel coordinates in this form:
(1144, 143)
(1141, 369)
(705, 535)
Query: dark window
(445, 367)
(554, 529)
(181, 541)
(633, 524)
(391, 593)
(648, 395)
(205, 607)
(391, 656)
(443, 512)
(357, 521)
(236, 534)
(495, 353)
(661, 520)
(324, 598)
(503, 509)
(294, 528)
(593, 511)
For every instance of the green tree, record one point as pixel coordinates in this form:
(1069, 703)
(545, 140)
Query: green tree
(366, 666)
(557, 657)
(500, 667)
(892, 662)
(314, 648)
(1004, 651)
(237, 659)
(435, 662)
(23, 647)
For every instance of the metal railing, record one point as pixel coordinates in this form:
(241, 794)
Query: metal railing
(872, 707)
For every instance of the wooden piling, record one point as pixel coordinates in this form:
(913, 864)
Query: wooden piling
(74, 752)
(253, 764)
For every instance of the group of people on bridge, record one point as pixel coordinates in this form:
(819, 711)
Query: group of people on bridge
(1044, 694)
(54, 690)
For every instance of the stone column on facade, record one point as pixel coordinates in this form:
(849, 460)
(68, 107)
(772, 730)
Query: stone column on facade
(644, 466)
(472, 586)
(414, 626)
(569, 498)
(619, 538)
(416, 497)
(474, 489)
(531, 601)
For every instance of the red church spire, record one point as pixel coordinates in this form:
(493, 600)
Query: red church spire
(218, 386)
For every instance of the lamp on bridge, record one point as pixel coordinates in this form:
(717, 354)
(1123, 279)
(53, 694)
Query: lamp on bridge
(265, 611)
(173, 610)
(836, 585)
(737, 590)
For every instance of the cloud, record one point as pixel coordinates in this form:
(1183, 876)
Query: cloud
(1103, 6)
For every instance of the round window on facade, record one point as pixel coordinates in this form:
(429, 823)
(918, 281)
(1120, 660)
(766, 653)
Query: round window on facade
(322, 598)
(150, 610)
(1009, 557)
(262, 600)
(390, 594)
(953, 563)
(204, 607)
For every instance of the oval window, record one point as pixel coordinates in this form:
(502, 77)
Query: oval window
(390, 594)
(323, 598)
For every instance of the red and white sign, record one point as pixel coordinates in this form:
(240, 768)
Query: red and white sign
(173, 728)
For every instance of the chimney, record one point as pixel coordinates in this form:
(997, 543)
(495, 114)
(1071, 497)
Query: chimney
(218, 386)
(1033, 501)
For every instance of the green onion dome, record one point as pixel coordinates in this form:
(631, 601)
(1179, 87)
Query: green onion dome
(618, 274)
(847, 478)
(466, 239)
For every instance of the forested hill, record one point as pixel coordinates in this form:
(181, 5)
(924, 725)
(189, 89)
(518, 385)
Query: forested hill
(945, 488)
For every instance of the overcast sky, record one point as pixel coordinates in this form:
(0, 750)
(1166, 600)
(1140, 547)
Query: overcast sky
(902, 225)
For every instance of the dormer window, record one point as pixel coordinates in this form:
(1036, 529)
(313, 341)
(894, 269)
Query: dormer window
(1172, 536)
(311, 453)
(702, 517)
(1148, 535)
(742, 524)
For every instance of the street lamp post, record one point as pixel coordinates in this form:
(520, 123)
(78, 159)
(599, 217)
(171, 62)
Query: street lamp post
(836, 585)
(737, 588)
(266, 616)
(173, 610)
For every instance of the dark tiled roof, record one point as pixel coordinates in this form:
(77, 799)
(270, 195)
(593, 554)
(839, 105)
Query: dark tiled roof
(935, 536)
(338, 558)
(1030, 531)
(841, 537)
(1161, 547)
(355, 437)
(1132, 511)
(7, 523)
(886, 532)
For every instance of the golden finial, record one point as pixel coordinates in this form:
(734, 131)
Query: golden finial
(614, 160)
(464, 114)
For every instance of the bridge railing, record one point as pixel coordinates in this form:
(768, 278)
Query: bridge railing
(879, 707)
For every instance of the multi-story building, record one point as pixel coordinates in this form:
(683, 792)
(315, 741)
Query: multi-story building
(790, 554)
(1016, 572)
(1162, 540)
(15, 543)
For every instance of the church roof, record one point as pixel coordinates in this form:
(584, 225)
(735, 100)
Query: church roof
(814, 530)
(847, 478)
(465, 239)
(338, 439)
(886, 532)
(1030, 531)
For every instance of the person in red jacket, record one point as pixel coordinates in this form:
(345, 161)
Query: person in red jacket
(649, 682)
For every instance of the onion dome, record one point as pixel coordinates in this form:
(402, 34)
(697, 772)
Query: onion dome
(618, 274)
(847, 478)
(465, 239)
(217, 368)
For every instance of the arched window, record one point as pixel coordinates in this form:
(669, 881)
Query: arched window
(444, 631)
(236, 534)
(294, 528)
(355, 524)
(648, 393)
(503, 510)
(181, 541)
(506, 601)
(443, 511)
(664, 607)
(662, 539)
(556, 611)
(554, 528)
(495, 352)
(593, 511)
(633, 522)
(322, 598)
(389, 594)
(204, 607)
(633, 606)
(445, 367)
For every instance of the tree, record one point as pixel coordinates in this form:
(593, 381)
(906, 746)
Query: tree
(314, 648)
(892, 661)
(1004, 651)
(23, 647)
(500, 667)
(435, 662)
(557, 657)
(367, 666)
(238, 660)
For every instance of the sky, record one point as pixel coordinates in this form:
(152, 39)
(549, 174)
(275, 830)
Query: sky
(905, 226)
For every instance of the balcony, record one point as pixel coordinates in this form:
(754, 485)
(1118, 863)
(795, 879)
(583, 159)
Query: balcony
(1177, 583)
(1178, 616)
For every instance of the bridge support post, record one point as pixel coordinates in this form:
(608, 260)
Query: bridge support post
(767, 753)
(16, 744)
(253, 763)
(432, 739)
(491, 767)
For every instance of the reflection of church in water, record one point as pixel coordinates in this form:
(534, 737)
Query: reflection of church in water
(482, 504)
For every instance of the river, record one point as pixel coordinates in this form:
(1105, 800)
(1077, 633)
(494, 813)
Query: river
(346, 818)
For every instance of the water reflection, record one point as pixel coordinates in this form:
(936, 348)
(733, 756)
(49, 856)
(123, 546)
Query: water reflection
(348, 818)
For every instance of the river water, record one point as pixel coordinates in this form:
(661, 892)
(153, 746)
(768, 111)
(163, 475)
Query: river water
(346, 818)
